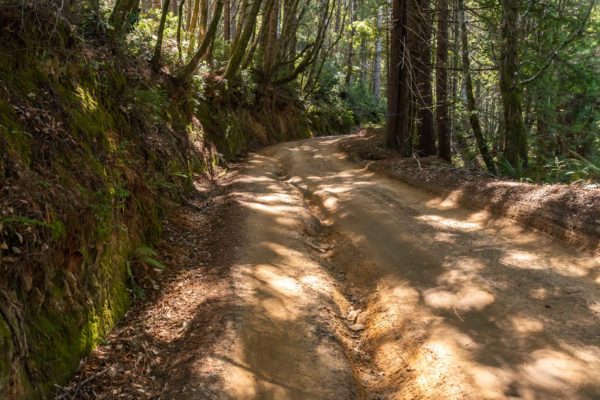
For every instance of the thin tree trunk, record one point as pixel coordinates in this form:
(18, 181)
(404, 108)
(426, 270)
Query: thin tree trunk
(227, 21)
(350, 58)
(193, 25)
(203, 20)
(377, 57)
(241, 44)
(441, 79)
(155, 61)
(190, 68)
(471, 105)
(179, 23)
(397, 126)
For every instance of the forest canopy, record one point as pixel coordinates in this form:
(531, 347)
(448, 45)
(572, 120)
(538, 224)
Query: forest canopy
(509, 87)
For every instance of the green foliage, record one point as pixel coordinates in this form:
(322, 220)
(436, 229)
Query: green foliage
(141, 41)
(572, 170)
(56, 227)
(147, 255)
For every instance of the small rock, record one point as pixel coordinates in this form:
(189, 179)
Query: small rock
(357, 327)
(352, 315)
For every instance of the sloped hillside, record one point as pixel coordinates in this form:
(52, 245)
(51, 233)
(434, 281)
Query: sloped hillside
(94, 151)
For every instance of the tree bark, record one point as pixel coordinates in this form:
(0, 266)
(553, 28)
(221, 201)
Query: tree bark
(397, 126)
(377, 57)
(422, 66)
(350, 57)
(515, 136)
(227, 21)
(123, 15)
(155, 61)
(471, 105)
(271, 42)
(441, 81)
(188, 71)
(192, 27)
(241, 44)
(179, 26)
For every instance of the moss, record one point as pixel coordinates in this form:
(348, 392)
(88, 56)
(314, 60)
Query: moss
(56, 227)
(6, 354)
(18, 140)
(61, 339)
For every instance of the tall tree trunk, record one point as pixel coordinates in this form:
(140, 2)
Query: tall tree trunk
(227, 21)
(192, 28)
(397, 127)
(471, 105)
(364, 62)
(123, 14)
(240, 45)
(441, 81)
(190, 68)
(203, 19)
(422, 66)
(515, 137)
(271, 42)
(350, 58)
(179, 23)
(188, 16)
(377, 57)
(155, 61)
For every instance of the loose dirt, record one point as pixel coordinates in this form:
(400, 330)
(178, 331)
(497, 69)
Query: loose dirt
(310, 277)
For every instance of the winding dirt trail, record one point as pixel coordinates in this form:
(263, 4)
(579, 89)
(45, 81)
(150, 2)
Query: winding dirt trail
(343, 284)
(456, 305)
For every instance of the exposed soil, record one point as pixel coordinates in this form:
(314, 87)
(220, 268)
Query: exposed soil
(305, 276)
(568, 212)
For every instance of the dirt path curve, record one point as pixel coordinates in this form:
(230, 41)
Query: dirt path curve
(282, 347)
(455, 305)
(460, 306)
(326, 281)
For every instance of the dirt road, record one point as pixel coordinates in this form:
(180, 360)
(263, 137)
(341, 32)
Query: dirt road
(457, 305)
(349, 285)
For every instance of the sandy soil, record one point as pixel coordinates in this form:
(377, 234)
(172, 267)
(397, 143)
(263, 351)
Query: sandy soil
(315, 278)
(568, 212)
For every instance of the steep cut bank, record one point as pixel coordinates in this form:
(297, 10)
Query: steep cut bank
(94, 152)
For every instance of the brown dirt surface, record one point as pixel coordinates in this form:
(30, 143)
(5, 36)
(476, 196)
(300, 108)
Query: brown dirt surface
(568, 212)
(306, 276)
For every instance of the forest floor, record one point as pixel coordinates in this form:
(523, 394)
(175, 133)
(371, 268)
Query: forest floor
(302, 275)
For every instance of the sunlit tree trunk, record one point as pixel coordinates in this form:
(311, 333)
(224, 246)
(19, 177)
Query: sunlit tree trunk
(155, 61)
(241, 44)
(470, 98)
(193, 26)
(377, 56)
(350, 57)
(188, 71)
(227, 21)
(179, 27)
(271, 41)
